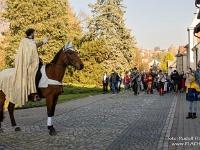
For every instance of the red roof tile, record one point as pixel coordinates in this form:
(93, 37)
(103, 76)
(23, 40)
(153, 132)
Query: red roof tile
(182, 49)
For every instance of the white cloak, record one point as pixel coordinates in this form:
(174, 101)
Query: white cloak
(19, 82)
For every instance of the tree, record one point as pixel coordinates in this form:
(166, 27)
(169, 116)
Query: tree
(108, 23)
(92, 54)
(163, 64)
(3, 24)
(3, 27)
(173, 50)
(74, 24)
(47, 17)
(138, 62)
(2, 55)
(84, 21)
(158, 56)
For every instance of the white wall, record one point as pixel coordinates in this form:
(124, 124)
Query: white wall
(191, 41)
(191, 45)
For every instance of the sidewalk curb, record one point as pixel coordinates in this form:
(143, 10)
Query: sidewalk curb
(165, 134)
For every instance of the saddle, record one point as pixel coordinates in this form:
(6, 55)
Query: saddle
(37, 96)
(42, 81)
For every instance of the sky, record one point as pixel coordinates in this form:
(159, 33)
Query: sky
(153, 22)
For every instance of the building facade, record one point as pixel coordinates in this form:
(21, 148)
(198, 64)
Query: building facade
(192, 41)
(181, 58)
(196, 34)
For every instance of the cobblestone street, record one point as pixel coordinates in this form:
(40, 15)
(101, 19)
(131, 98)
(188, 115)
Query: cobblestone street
(105, 121)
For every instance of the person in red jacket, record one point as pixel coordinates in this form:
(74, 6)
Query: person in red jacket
(127, 82)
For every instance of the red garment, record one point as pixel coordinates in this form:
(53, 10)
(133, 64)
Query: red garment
(183, 83)
(127, 79)
(161, 91)
(145, 78)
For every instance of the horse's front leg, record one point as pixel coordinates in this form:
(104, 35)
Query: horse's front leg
(51, 104)
(11, 108)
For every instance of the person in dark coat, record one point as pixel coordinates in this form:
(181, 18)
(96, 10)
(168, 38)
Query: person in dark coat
(144, 80)
(134, 79)
(114, 78)
(176, 78)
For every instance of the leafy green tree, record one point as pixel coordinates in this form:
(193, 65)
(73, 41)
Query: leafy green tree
(95, 51)
(163, 64)
(92, 54)
(138, 62)
(2, 54)
(47, 17)
(108, 23)
(168, 56)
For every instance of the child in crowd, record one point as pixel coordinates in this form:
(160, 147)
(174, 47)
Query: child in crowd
(192, 91)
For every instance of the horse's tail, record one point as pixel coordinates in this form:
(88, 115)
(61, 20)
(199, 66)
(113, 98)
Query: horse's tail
(2, 101)
(1, 116)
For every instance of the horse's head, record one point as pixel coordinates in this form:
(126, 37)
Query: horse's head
(71, 57)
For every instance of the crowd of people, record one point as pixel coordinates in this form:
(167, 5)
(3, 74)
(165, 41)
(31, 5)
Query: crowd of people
(147, 81)
(188, 82)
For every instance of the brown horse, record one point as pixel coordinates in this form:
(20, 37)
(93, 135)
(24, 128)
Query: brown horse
(55, 71)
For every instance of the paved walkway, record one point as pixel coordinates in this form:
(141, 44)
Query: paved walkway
(185, 133)
(105, 122)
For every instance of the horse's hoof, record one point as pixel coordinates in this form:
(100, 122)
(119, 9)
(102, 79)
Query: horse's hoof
(53, 132)
(17, 129)
(1, 130)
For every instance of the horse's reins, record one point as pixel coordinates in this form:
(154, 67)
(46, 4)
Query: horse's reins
(71, 62)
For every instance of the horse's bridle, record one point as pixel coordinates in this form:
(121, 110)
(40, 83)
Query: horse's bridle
(71, 61)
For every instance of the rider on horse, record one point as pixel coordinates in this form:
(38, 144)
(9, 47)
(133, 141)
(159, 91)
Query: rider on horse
(27, 60)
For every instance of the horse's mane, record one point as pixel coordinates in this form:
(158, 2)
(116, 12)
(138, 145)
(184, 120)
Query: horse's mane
(55, 59)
